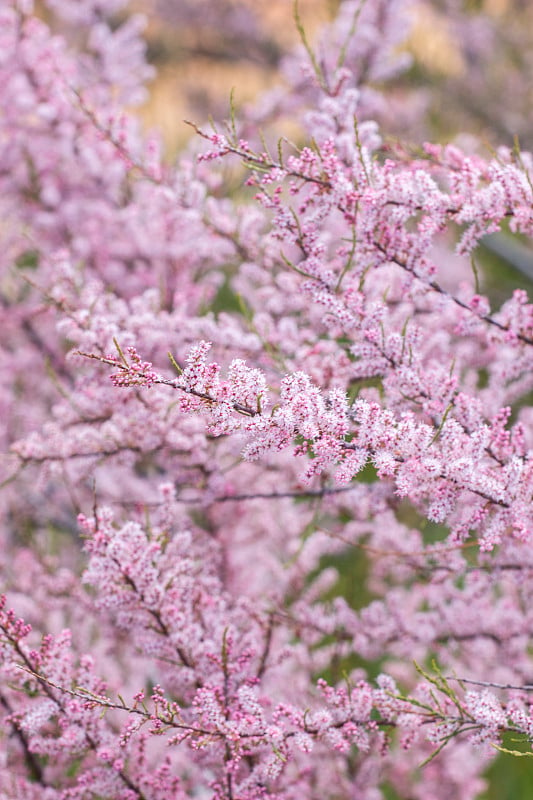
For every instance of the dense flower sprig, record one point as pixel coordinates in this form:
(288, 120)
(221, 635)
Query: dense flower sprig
(328, 478)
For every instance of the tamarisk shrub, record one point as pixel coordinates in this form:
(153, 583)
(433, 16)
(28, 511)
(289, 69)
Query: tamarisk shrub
(293, 559)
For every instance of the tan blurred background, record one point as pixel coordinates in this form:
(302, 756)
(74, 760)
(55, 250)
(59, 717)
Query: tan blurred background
(472, 62)
(197, 69)
(199, 62)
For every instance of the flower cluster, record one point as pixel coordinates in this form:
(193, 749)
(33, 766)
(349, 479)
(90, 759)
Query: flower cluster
(266, 434)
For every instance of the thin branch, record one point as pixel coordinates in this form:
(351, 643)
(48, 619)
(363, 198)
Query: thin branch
(527, 687)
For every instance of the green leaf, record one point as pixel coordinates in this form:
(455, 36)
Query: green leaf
(29, 259)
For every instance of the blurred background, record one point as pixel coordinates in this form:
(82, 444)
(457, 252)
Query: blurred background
(471, 68)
